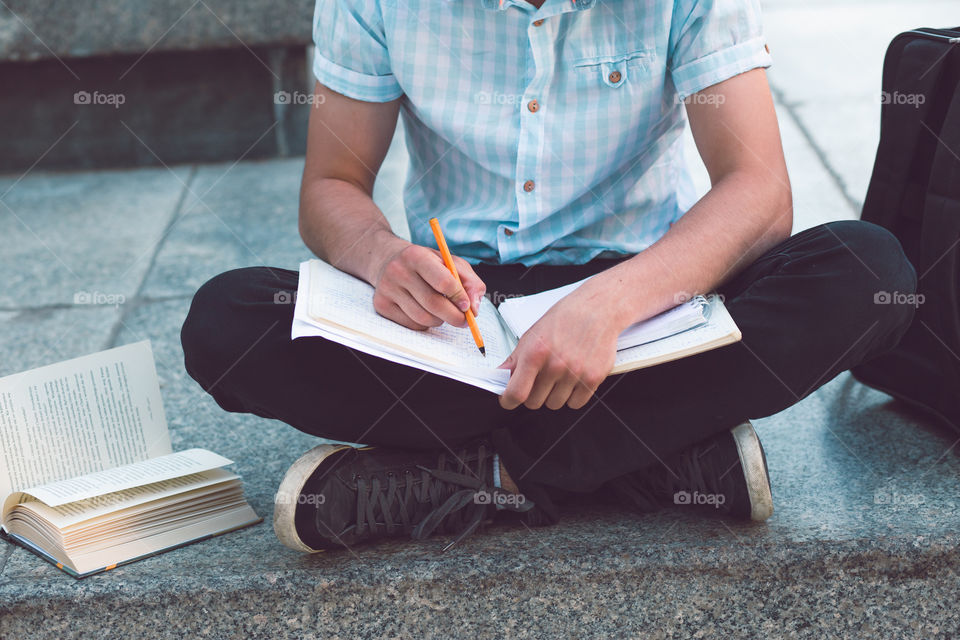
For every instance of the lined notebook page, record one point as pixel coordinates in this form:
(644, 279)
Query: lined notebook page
(339, 299)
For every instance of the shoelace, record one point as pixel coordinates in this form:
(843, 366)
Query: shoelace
(441, 500)
(693, 471)
(697, 471)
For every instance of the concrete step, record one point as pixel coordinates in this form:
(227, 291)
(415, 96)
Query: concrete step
(862, 544)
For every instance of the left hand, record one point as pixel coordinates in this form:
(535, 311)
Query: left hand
(563, 358)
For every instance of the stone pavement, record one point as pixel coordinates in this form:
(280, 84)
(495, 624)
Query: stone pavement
(862, 544)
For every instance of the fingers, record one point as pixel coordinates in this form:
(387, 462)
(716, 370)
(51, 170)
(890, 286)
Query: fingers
(539, 380)
(417, 286)
(437, 305)
(581, 396)
(562, 392)
(519, 387)
(435, 273)
(392, 311)
(551, 376)
(541, 391)
(474, 286)
(586, 386)
(415, 311)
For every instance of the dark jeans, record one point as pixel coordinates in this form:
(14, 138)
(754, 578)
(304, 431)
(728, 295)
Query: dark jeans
(807, 311)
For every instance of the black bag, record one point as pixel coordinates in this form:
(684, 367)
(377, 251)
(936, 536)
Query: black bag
(915, 193)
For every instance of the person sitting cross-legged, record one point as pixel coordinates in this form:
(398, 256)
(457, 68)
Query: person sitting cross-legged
(546, 137)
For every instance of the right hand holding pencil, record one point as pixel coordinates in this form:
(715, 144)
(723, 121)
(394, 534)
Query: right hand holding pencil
(415, 289)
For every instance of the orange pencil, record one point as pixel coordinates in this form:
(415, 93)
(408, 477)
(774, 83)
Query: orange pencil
(448, 260)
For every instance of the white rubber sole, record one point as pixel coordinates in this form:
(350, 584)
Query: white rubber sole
(754, 470)
(288, 495)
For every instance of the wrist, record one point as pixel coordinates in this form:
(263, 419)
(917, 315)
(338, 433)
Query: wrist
(385, 246)
(607, 292)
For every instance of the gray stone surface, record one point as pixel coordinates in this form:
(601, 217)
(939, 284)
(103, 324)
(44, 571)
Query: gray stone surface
(77, 233)
(233, 216)
(31, 29)
(828, 67)
(817, 197)
(36, 337)
(863, 542)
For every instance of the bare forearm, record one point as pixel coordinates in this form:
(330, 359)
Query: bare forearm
(340, 223)
(744, 214)
(566, 355)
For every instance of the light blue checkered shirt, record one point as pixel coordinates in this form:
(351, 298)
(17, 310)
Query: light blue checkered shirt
(594, 167)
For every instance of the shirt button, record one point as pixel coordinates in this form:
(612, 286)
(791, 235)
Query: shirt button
(537, 23)
(529, 186)
(615, 77)
(534, 106)
(507, 232)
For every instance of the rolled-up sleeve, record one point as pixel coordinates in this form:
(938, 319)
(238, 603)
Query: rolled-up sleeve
(350, 54)
(714, 40)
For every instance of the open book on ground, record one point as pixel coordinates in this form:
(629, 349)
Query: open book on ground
(88, 480)
(335, 305)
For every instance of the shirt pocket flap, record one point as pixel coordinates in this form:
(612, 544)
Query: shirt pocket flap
(613, 68)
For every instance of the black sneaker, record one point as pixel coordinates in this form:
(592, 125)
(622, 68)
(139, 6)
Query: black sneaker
(726, 474)
(340, 496)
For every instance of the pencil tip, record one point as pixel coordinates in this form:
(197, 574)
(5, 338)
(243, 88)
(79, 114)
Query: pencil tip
(483, 351)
